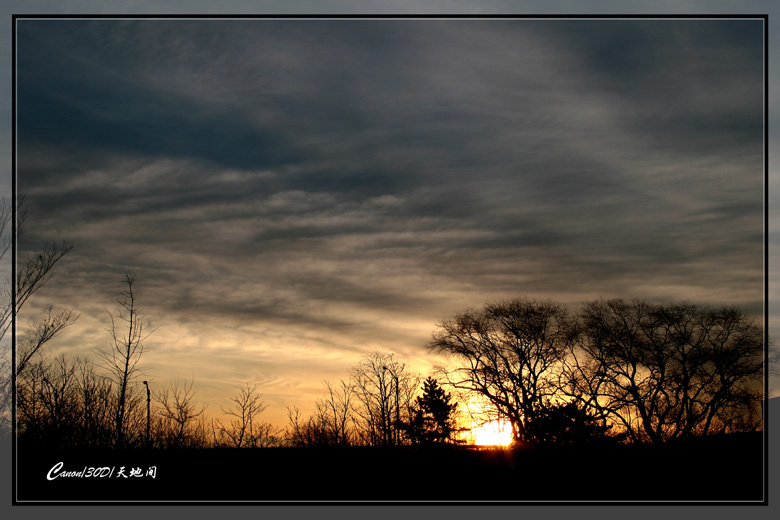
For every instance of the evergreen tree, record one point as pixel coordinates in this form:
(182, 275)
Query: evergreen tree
(433, 416)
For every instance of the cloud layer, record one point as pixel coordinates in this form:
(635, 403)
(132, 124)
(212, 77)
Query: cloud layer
(292, 194)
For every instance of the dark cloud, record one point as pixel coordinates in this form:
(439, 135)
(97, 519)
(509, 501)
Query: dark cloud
(116, 117)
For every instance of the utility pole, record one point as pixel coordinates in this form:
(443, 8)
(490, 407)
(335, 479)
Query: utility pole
(397, 412)
(148, 411)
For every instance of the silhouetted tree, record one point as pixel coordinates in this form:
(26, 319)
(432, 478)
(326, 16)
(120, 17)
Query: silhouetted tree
(45, 404)
(245, 430)
(332, 424)
(336, 416)
(125, 352)
(302, 432)
(41, 333)
(32, 273)
(178, 425)
(63, 403)
(666, 371)
(510, 353)
(96, 400)
(383, 391)
(433, 416)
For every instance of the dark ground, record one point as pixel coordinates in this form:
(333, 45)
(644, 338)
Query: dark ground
(713, 469)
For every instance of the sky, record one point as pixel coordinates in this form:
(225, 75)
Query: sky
(294, 194)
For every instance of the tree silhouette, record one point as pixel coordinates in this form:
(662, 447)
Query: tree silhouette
(41, 333)
(32, 274)
(63, 402)
(179, 415)
(245, 430)
(97, 406)
(666, 371)
(383, 392)
(46, 408)
(126, 350)
(510, 353)
(332, 424)
(433, 420)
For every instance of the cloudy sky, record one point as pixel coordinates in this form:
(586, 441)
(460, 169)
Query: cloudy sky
(293, 194)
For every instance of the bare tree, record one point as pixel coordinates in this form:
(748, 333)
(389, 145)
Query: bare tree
(509, 353)
(32, 274)
(384, 390)
(40, 334)
(245, 430)
(30, 411)
(332, 424)
(300, 432)
(336, 415)
(667, 371)
(47, 402)
(179, 414)
(127, 347)
(97, 406)
(63, 402)
(6, 221)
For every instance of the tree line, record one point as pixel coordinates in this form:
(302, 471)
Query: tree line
(383, 403)
(76, 402)
(647, 372)
(616, 370)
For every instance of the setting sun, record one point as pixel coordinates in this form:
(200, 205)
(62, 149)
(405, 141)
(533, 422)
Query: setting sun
(494, 433)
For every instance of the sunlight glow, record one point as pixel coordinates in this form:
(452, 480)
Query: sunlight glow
(494, 433)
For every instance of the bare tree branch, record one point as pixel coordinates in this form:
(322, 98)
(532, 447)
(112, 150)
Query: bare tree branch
(246, 430)
(34, 272)
(126, 349)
